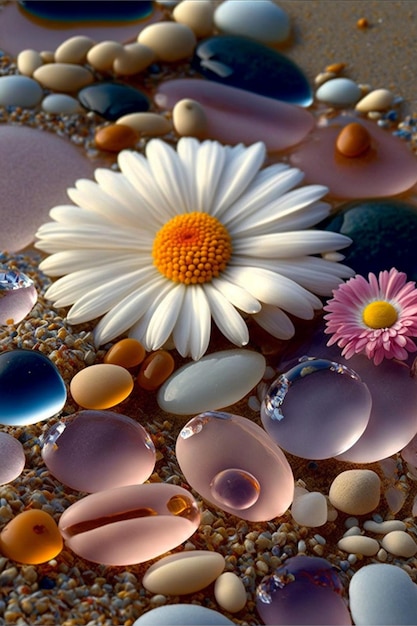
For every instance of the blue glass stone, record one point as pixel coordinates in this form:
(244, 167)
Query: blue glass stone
(114, 11)
(384, 235)
(31, 388)
(246, 64)
(112, 99)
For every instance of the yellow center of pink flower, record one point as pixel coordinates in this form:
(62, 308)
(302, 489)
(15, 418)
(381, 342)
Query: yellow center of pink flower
(192, 248)
(379, 314)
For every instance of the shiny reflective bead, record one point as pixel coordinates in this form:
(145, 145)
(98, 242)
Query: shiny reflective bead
(233, 464)
(155, 370)
(12, 458)
(101, 386)
(115, 137)
(31, 537)
(126, 353)
(18, 295)
(95, 450)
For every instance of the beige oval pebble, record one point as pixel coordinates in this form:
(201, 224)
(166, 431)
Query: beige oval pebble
(102, 55)
(322, 77)
(197, 14)
(356, 491)
(376, 100)
(47, 56)
(134, 58)
(146, 123)
(169, 40)
(101, 386)
(65, 77)
(399, 543)
(28, 61)
(189, 119)
(358, 544)
(310, 509)
(183, 573)
(230, 592)
(383, 528)
(74, 49)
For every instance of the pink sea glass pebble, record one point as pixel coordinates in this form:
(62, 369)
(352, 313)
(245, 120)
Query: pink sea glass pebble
(95, 450)
(131, 524)
(233, 464)
(17, 296)
(12, 458)
(235, 115)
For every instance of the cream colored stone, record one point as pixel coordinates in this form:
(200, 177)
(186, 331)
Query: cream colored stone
(356, 491)
(74, 49)
(230, 592)
(47, 56)
(146, 123)
(102, 55)
(66, 77)
(310, 509)
(358, 544)
(383, 528)
(399, 543)
(170, 41)
(376, 100)
(197, 14)
(28, 61)
(134, 58)
(189, 119)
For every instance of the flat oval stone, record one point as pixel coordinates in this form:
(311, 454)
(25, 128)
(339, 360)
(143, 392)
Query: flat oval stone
(339, 92)
(183, 573)
(262, 20)
(184, 614)
(19, 91)
(101, 386)
(60, 103)
(66, 77)
(115, 137)
(170, 41)
(155, 370)
(31, 388)
(146, 123)
(95, 450)
(358, 544)
(230, 592)
(244, 63)
(232, 373)
(74, 49)
(18, 295)
(12, 458)
(258, 483)
(126, 353)
(399, 543)
(111, 99)
(28, 61)
(131, 524)
(234, 115)
(31, 537)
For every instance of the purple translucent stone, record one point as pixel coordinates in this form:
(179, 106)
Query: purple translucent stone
(235, 488)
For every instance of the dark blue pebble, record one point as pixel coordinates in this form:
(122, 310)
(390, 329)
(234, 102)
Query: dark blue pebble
(246, 64)
(112, 99)
(88, 10)
(47, 583)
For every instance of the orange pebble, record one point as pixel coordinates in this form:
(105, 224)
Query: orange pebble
(353, 140)
(31, 537)
(116, 137)
(101, 386)
(126, 353)
(336, 68)
(362, 23)
(155, 370)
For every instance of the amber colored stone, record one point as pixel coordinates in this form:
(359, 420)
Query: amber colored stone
(126, 353)
(116, 137)
(155, 370)
(101, 386)
(353, 140)
(32, 537)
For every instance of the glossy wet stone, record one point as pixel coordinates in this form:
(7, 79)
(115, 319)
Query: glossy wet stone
(113, 99)
(101, 386)
(317, 409)
(126, 353)
(130, 524)
(305, 590)
(95, 450)
(12, 458)
(233, 464)
(241, 62)
(155, 370)
(18, 295)
(31, 537)
(382, 231)
(31, 388)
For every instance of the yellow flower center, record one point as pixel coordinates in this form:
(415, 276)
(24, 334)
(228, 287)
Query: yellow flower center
(192, 248)
(379, 314)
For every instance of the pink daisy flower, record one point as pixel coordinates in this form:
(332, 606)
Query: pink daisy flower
(376, 317)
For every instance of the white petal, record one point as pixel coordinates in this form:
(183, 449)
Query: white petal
(275, 322)
(237, 295)
(228, 320)
(268, 221)
(292, 244)
(89, 195)
(191, 333)
(58, 236)
(165, 317)
(70, 214)
(187, 150)
(168, 173)
(211, 158)
(74, 260)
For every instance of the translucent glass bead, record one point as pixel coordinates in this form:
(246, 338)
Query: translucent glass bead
(18, 295)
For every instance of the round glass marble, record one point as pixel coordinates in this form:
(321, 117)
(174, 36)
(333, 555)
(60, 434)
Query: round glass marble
(12, 458)
(317, 409)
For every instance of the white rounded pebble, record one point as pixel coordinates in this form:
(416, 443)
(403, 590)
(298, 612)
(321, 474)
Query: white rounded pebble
(376, 100)
(399, 543)
(310, 509)
(339, 92)
(382, 555)
(28, 61)
(382, 528)
(216, 381)
(262, 20)
(170, 41)
(184, 614)
(146, 123)
(197, 14)
(19, 91)
(189, 118)
(74, 49)
(230, 592)
(184, 572)
(382, 594)
(132, 59)
(102, 55)
(352, 531)
(60, 103)
(356, 491)
(358, 544)
(66, 77)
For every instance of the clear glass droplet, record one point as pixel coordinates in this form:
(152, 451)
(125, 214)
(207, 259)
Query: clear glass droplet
(235, 488)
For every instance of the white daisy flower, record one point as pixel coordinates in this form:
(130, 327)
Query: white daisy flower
(180, 237)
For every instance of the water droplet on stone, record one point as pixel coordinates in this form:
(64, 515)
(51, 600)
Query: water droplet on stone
(235, 488)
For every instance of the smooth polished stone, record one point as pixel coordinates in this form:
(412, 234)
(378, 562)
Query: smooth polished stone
(197, 14)
(66, 77)
(32, 537)
(358, 544)
(353, 140)
(12, 458)
(126, 353)
(101, 386)
(317, 409)
(380, 230)
(130, 524)
(261, 20)
(399, 543)
(234, 115)
(230, 592)
(243, 473)
(247, 64)
(60, 103)
(115, 137)
(74, 49)
(184, 615)
(102, 55)
(27, 61)
(231, 373)
(189, 119)
(170, 41)
(339, 92)
(376, 100)
(18, 296)
(134, 58)
(356, 491)
(155, 370)
(310, 509)
(304, 590)
(95, 450)
(19, 91)
(112, 99)
(147, 123)
(31, 388)
(184, 572)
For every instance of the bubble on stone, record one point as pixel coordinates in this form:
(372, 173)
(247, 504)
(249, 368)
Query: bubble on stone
(235, 488)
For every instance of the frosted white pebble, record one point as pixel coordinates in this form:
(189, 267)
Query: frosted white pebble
(310, 509)
(189, 118)
(382, 528)
(377, 100)
(28, 61)
(146, 123)
(339, 92)
(60, 103)
(74, 49)
(299, 491)
(184, 614)
(66, 77)
(102, 55)
(358, 544)
(262, 20)
(356, 491)
(399, 543)
(19, 91)
(301, 546)
(352, 558)
(230, 592)
(134, 58)
(382, 555)
(170, 41)
(352, 531)
(197, 14)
